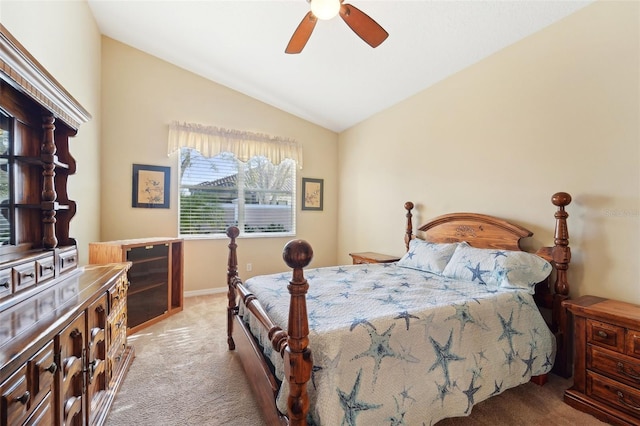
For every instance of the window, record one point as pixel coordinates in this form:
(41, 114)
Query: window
(216, 192)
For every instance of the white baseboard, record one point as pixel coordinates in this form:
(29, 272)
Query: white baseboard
(206, 292)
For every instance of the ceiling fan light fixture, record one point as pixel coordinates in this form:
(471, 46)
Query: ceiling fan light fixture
(325, 9)
(366, 28)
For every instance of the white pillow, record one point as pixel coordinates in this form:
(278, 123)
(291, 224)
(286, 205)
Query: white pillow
(497, 268)
(426, 256)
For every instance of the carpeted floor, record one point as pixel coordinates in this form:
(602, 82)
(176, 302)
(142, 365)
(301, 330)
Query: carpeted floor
(183, 374)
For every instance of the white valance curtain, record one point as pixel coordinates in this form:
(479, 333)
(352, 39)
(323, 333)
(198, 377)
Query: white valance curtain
(211, 140)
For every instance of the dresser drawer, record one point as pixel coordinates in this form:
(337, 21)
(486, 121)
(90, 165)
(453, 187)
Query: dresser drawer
(117, 295)
(15, 398)
(24, 276)
(116, 327)
(68, 260)
(44, 414)
(6, 289)
(42, 369)
(605, 335)
(45, 268)
(614, 365)
(623, 397)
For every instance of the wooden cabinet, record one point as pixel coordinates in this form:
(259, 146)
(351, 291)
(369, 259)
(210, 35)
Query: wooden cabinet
(372, 257)
(155, 278)
(37, 119)
(606, 375)
(58, 363)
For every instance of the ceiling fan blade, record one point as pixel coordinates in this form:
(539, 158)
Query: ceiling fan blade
(301, 34)
(361, 24)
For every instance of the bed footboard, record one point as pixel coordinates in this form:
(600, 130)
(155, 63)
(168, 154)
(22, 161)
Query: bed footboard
(293, 345)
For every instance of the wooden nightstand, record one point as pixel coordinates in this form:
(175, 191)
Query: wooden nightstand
(606, 369)
(371, 257)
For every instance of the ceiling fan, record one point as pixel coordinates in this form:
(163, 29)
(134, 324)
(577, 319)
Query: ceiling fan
(361, 24)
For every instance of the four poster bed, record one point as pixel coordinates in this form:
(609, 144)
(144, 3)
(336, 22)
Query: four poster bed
(460, 318)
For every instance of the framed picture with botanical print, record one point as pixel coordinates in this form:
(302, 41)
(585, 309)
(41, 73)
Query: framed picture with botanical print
(151, 186)
(312, 193)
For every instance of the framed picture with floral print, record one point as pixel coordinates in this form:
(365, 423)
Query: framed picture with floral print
(312, 193)
(151, 186)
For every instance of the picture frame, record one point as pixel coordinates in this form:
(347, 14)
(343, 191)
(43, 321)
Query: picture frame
(150, 186)
(312, 194)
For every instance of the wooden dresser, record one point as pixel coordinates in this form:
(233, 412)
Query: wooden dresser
(63, 349)
(606, 374)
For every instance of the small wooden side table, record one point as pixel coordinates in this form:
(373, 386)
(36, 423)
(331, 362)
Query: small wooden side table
(606, 368)
(372, 257)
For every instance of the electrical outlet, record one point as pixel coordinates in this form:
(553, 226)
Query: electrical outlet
(249, 267)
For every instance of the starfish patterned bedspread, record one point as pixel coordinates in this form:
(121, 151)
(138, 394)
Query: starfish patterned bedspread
(393, 345)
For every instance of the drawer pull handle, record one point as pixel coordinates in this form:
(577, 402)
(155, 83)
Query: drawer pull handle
(631, 405)
(52, 368)
(634, 374)
(28, 275)
(48, 268)
(5, 284)
(602, 334)
(24, 398)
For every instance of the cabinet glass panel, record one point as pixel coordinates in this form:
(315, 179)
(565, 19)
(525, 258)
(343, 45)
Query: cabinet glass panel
(6, 211)
(148, 295)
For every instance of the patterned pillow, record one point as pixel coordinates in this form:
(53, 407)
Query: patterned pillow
(497, 268)
(426, 256)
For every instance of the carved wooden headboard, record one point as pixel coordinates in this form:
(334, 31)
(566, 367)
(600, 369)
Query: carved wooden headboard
(481, 231)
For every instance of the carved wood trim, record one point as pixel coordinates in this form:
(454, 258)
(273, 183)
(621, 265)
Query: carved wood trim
(27, 75)
(479, 230)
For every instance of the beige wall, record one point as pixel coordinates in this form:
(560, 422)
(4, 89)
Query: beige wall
(141, 95)
(558, 111)
(64, 38)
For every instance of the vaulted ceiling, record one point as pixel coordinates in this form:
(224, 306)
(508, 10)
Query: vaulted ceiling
(337, 80)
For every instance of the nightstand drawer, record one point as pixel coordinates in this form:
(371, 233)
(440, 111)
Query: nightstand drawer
(615, 365)
(624, 398)
(605, 335)
(633, 343)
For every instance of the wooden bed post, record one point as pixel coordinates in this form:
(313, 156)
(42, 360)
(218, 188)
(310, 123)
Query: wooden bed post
(561, 255)
(232, 274)
(409, 233)
(561, 251)
(298, 362)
